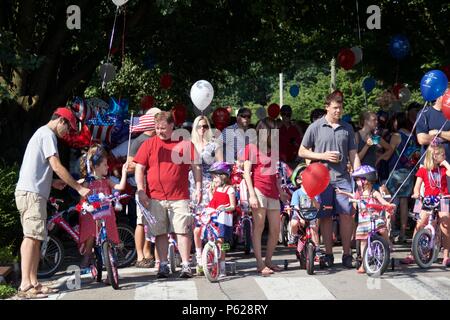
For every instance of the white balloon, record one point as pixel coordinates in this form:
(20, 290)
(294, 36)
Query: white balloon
(202, 94)
(261, 113)
(107, 72)
(404, 95)
(358, 54)
(119, 2)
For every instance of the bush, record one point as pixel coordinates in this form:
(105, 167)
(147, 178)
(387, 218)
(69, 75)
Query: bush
(6, 291)
(10, 227)
(7, 256)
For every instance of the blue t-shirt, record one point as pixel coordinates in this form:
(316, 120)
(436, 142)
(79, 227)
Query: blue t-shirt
(432, 119)
(302, 200)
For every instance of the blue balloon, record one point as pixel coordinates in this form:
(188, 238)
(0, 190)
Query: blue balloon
(433, 85)
(368, 84)
(294, 90)
(399, 46)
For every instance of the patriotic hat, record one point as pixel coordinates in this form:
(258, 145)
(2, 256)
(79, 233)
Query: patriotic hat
(144, 123)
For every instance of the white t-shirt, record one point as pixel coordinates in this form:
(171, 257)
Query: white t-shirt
(36, 174)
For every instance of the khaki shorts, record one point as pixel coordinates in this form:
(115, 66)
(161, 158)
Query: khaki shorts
(33, 214)
(266, 202)
(171, 216)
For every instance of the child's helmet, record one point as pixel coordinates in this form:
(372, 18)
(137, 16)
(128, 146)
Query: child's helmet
(297, 171)
(366, 172)
(220, 167)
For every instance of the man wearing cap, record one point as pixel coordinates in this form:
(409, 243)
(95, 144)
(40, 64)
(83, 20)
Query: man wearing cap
(233, 137)
(41, 159)
(290, 137)
(144, 249)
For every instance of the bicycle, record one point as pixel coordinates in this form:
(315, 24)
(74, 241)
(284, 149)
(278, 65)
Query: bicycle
(105, 250)
(376, 255)
(426, 243)
(242, 228)
(52, 251)
(211, 251)
(306, 248)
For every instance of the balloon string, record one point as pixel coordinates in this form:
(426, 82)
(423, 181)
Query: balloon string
(112, 34)
(123, 46)
(359, 37)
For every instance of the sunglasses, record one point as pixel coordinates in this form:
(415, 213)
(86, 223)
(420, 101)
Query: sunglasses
(288, 114)
(205, 126)
(246, 116)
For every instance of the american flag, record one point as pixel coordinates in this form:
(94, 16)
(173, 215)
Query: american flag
(143, 123)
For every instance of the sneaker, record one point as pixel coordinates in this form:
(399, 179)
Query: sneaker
(328, 260)
(186, 271)
(347, 261)
(400, 239)
(446, 262)
(222, 275)
(199, 270)
(292, 243)
(408, 260)
(163, 271)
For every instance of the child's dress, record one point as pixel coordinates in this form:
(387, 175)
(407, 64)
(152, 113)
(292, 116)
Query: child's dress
(87, 223)
(362, 231)
(224, 219)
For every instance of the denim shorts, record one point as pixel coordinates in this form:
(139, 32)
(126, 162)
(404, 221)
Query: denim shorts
(340, 203)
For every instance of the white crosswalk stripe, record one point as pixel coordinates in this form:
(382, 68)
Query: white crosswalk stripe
(298, 288)
(423, 288)
(167, 290)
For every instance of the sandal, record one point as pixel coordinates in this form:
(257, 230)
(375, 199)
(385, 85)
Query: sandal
(408, 260)
(275, 268)
(266, 271)
(144, 263)
(30, 293)
(44, 289)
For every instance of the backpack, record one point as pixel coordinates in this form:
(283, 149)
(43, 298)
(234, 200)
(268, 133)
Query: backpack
(411, 155)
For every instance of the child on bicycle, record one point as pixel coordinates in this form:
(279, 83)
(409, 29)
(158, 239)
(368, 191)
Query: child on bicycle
(433, 175)
(94, 170)
(365, 176)
(223, 200)
(300, 200)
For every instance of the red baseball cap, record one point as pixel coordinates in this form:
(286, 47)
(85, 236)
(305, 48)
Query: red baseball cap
(68, 115)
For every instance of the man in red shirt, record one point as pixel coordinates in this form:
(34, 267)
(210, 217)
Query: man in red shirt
(290, 137)
(166, 194)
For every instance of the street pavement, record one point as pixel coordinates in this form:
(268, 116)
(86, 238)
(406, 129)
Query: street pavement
(337, 283)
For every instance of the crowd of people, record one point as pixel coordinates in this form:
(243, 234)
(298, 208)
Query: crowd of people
(375, 158)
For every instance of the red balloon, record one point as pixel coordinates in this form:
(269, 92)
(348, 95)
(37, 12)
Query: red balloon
(79, 140)
(446, 104)
(147, 102)
(396, 89)
(273, 110)
(166, 81)
(221, 118)
(346, 58)
(179, 114)
(315, 179)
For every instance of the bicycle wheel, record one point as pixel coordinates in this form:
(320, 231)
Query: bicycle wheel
(110, 260)
(52, 259)
(210, 262)
(98, 264)
(376, 260)
(171, 257)
(283, 236)
(126, 250)
(310, 252)
(423, 254)
(247, 236)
